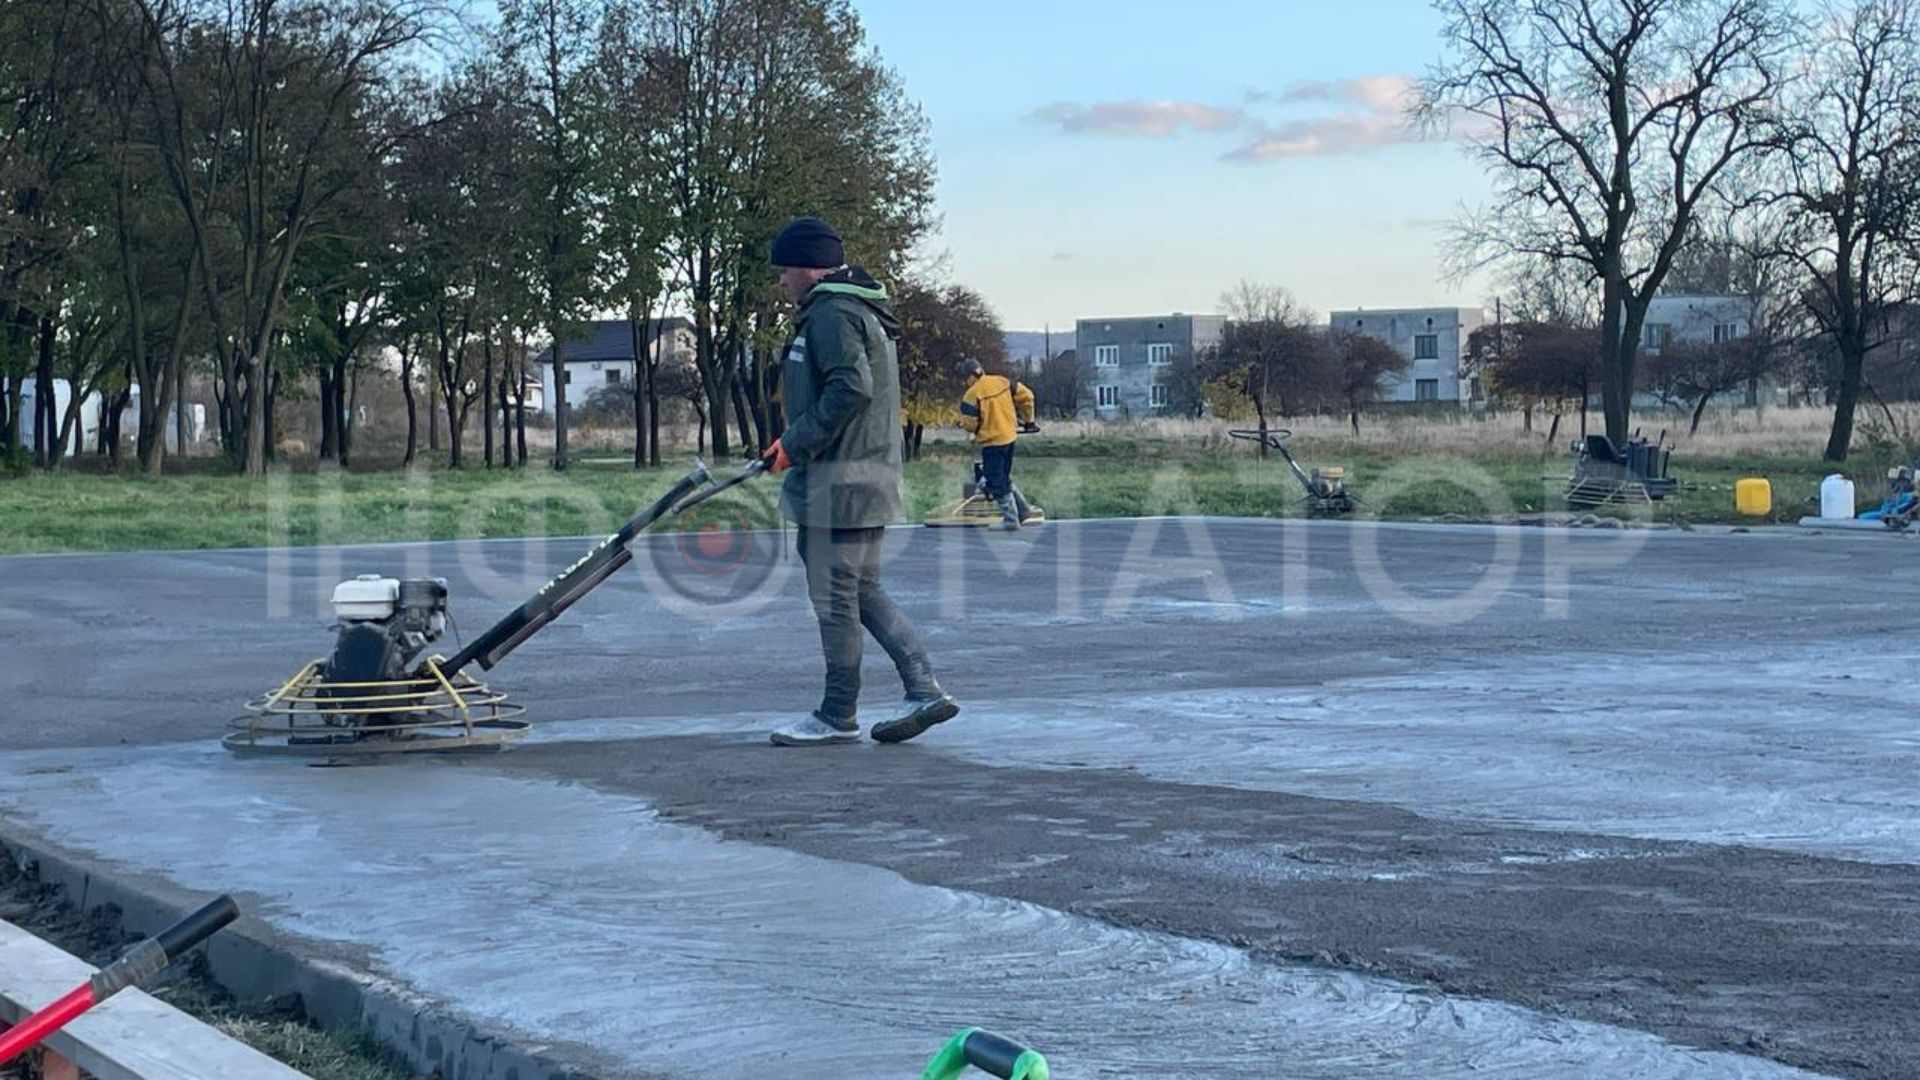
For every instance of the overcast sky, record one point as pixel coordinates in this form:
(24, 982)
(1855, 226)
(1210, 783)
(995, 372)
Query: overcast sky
(1116, 157)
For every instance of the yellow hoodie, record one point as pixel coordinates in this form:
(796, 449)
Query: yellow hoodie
(992, 407)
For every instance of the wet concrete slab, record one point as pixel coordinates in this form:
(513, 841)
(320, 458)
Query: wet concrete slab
(553, 911)
(1679, 745)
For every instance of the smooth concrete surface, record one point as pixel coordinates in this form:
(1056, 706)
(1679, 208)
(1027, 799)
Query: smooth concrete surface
(1648, 785)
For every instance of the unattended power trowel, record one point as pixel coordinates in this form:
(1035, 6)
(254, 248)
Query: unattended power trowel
(378, 694)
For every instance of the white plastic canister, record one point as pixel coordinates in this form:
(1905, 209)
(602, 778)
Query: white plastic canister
(1836, 497)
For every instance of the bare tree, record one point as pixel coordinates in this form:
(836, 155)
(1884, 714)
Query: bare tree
(1849, 183)
(1272, 351)
(1606, 124)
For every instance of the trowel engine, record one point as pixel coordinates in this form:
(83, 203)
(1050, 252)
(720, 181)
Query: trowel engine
(384, 625)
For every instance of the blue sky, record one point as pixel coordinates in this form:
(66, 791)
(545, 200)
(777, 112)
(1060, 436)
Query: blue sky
(1111, 157)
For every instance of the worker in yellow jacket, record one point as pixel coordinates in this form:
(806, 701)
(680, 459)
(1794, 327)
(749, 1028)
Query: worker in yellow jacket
(995, 409)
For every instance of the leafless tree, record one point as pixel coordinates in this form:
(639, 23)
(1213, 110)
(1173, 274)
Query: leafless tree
(1849, 183)
(1606, 123)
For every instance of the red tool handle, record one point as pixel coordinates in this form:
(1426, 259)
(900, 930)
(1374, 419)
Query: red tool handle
(27, 1034)
(143, 961)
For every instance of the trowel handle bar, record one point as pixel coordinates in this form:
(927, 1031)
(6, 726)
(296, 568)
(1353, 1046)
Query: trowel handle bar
(1271, 436)
(136, 965)
(571, 584)
(1276, 438)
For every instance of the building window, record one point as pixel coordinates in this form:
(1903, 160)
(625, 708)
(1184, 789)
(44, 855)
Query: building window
(566, 378)
(1106, 356)
(1426, 346)
(1108, 396)
(1160, 353)
(1426, 390)
(1725, 332)
(1158, 397)
(613, 377)
(1658, 335)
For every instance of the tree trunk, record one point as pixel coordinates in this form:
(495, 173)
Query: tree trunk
(456, 428)
(342, 412)
(520, 409)
(1699, 410)
(179, 365)
(1353, 416)
(255, 444)
(413, 422)
(348, 425)
(653, 415)
(559, 403)
(1840, 439)
(1553, 430)
(269, 427)
(329, 416)
(506, 422)
(652, 388)
(716, 416)
(1613, 348)
(69, 423)
(1526, 417)
(433, 406)
(638, 339)
(46, 422)
(486, 399)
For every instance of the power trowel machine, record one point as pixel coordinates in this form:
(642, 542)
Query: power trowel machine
(381, 691)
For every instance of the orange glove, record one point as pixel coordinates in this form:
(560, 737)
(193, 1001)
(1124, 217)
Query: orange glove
(776, 458)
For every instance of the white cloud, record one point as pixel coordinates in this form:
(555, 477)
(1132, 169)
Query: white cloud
(1142, 119)
(1364, 112)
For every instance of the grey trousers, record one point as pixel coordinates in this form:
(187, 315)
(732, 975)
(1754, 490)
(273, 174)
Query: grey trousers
(843, 581)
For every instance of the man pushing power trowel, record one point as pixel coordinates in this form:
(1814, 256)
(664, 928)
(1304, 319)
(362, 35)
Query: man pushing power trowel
(993, 408)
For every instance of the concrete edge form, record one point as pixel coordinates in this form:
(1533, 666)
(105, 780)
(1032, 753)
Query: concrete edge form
(131, 1036)
(253, 962)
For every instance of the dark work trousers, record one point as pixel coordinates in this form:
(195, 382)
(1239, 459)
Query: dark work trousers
(997, 462)
(843, 581)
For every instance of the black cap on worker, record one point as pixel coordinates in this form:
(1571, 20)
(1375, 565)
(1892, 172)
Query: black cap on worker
(809, 243)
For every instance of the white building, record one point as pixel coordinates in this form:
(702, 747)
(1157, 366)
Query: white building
(1434, 341)
(603, 355)
(1695, 319)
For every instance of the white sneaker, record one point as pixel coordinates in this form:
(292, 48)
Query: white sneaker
(813, 731)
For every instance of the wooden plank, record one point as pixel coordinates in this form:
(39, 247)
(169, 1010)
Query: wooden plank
(132, 1036)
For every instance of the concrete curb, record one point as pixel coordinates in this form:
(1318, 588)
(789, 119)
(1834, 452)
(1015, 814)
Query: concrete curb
(253, 962)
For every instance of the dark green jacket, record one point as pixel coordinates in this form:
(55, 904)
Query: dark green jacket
(841, 385)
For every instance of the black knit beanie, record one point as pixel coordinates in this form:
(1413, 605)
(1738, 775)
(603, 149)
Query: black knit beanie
(809, 243)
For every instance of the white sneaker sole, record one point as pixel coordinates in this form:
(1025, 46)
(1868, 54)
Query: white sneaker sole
(781, 738)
